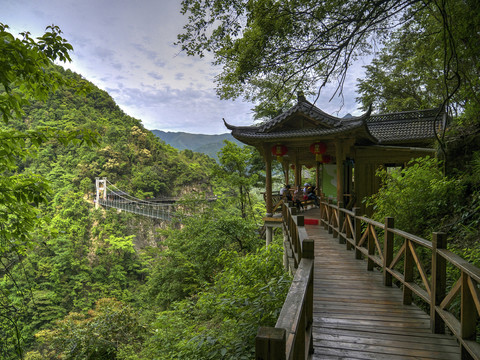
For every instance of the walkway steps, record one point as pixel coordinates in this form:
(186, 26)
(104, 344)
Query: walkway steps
(356, 317)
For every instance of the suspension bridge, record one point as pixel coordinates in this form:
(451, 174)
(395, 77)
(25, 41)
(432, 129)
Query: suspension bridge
(109, 195)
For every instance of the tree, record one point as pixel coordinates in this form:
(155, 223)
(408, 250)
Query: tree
(26, 72)
(99, 335)
(419, 196)
(427, 62)
(271, 49)
(237, 175)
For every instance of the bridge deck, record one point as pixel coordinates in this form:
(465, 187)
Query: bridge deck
(356, 317)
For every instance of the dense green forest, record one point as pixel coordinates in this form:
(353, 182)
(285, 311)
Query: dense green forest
(85, 283)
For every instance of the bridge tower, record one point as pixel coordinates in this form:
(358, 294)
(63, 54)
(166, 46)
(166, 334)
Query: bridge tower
(101, 189)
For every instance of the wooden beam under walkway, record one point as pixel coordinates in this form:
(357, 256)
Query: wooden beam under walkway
(356, 317)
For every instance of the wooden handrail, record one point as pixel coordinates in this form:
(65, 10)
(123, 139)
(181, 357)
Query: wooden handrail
(291, 338)
(362, 235)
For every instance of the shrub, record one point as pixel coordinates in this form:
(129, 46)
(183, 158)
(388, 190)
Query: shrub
(419, 196)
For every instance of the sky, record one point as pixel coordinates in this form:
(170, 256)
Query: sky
(126, 47)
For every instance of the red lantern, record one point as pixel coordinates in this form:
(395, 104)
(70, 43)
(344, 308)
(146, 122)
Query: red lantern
(292, 166)
(318, 149)
(326, 159)
(279, 151)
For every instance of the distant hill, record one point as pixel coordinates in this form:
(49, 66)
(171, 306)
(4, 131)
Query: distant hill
(205, 144)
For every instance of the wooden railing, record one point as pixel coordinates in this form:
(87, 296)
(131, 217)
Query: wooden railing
(291, 338)
(419, 266)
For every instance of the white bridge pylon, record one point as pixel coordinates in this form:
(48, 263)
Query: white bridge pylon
(108, 195)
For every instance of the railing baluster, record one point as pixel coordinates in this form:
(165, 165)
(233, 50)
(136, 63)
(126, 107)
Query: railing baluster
(358, 233)
(407, 273)
(370, 248)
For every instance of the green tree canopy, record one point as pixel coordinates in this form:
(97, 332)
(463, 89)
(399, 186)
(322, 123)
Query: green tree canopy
(270, 49)
(26, 73)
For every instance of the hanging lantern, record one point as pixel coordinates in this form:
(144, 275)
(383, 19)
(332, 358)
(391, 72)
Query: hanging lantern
(292, 166)
(309, 166)
(279, 151)
(318, 149)
(326, 159)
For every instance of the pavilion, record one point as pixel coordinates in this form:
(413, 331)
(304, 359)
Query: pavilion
(346, 152)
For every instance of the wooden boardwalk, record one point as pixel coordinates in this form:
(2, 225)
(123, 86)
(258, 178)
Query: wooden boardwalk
(356, 317)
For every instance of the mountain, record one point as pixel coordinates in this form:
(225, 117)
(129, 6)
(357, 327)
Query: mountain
(205, 144)
(129, 155)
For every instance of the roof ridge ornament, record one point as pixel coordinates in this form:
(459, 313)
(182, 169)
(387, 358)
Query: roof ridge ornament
(301, 97)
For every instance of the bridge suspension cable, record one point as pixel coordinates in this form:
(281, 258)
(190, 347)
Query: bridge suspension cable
(109, 195)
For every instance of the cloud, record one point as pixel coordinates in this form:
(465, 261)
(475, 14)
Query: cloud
(190, 110)
(159, 63)
(103, 53)
(126, 48)
(148, 52)
(155, 75)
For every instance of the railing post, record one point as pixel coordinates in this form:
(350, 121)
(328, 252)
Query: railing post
(308, 249)
(341, 238)
(388, 250)
(407, 273)
(270, 344)
(330, 216)
(358, 232)
(300, 220)
(439, 281)
(468, 315)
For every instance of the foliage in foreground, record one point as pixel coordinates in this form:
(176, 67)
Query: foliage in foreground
(418, 196)
(221, 321)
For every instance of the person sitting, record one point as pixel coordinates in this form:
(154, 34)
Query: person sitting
(297, 198)
(312, 196)
(285, 193)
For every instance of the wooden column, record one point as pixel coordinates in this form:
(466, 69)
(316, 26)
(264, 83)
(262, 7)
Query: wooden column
(298, 170)
(317, 178)
(268, 180)
(268, 235)
(287, 172)
(339, 154)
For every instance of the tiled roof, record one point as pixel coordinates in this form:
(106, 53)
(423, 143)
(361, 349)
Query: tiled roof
(253, 133)
(405, 126)
(401, 127)
(306, 108)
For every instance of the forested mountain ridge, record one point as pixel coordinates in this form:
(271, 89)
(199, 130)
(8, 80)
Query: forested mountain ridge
(127, 153)
(201, 143)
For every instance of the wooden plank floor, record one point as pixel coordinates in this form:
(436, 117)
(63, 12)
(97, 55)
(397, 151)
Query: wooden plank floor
(356, 317)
